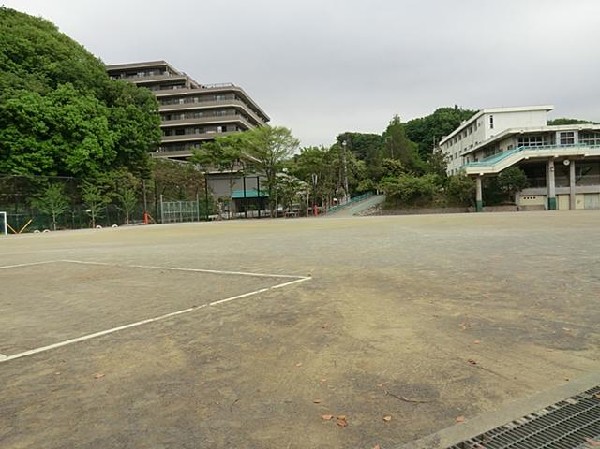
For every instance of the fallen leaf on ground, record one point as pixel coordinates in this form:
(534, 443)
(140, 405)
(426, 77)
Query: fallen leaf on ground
(317, 401)
(98, 375)
(327, 417)
(460, 419)
(387, 418)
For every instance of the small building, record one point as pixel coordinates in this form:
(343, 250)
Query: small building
(562, 162)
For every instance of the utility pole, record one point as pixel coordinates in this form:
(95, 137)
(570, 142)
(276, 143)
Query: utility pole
(345, 168)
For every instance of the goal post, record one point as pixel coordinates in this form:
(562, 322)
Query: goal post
(3, 223)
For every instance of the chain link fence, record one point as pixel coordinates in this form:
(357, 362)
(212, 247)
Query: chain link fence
(21, 199)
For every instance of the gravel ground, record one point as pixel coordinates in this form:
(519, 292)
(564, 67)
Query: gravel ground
(421, 320)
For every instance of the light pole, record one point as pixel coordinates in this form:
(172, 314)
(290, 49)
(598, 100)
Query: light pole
(390, 140)
(315, 180)
(345, 168)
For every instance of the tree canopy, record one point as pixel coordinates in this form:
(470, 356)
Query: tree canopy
(60, 114)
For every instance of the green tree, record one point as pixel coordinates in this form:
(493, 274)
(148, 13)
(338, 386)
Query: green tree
(512, 180)
(427, 131)
(460, 190)
(128, 201)
(177, 180)
(94, 198)
(53, 202)
(401, 147)
(60, 114)
(318, 167)
(411, 191)
(267, 148)
(223, 154)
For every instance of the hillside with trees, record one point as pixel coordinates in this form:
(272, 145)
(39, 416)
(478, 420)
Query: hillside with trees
(63, 121)
(60, 114)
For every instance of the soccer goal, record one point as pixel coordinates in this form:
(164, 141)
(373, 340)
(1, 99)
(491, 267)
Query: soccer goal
(3, 223)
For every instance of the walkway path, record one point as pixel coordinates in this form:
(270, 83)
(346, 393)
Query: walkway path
(357, 207)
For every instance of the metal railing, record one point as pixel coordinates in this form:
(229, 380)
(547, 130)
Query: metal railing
(353, 200)
(496, 158)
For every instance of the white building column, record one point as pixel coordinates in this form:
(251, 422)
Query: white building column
(478, 194)
(551, 183)
(572, 187)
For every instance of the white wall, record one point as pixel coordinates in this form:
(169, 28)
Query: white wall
(513, 119)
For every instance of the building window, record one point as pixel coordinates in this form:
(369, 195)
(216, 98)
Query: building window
(567, 138)
(491, 122)
(531, 141)
(589, 138)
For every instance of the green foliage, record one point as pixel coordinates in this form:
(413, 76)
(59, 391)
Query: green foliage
(267, 148)
(128, 201)
(176, 180)
(135, 125)
(52, 201)
(511, 180)
(409, 191)
(60, 114)
(224, 153)
(566, 121)
(460, 190)
(392, 168)
(319, 168)
(401, 147)
(35, 56)
(95, 198)
(427, 131)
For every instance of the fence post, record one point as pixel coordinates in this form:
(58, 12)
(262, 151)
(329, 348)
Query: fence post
(162, 217)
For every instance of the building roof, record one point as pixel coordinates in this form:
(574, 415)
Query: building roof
(482, 112)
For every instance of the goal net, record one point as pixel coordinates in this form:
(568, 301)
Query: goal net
(3, 223)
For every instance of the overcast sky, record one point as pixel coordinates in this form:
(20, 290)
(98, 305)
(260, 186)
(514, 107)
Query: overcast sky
(323, 67)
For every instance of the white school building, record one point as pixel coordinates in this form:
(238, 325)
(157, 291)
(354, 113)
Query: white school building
(562, 162)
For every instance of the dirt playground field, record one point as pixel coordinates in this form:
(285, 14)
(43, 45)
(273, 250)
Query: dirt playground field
(298, 333)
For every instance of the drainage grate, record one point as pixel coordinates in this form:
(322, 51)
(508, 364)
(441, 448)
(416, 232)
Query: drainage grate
(573, 423)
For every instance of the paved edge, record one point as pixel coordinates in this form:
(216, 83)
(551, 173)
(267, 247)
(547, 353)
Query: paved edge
(509, 412)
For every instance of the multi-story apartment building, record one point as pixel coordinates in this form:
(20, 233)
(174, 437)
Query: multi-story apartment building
(562, 162)
(191, 113)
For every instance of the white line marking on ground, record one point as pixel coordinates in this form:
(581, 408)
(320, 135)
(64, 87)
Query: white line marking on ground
(198, 270)
(7, 358)
(31, 264)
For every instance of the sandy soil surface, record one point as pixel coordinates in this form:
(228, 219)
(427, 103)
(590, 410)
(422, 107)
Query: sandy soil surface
(415, 319)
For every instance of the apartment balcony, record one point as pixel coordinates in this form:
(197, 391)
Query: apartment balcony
(195, 137)
(212, 104)
(166, 154)
(226, 89)
(209, 120)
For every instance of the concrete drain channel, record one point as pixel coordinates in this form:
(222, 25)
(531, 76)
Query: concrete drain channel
(573, 423)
